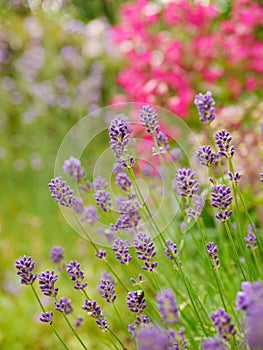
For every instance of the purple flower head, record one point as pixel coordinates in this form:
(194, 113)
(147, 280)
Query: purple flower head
(185, 183)
(205, 156)
(136, 301)
(78, 206)
(261, 177)
(90, 215)
(95, 311)
(119, 132)
(223, 139)
(140, 321)
(250, 297)
(46, 317)
(198, 206)
(176, 155)
(118, 169)
(121, 249)
(86, 187)
(101, 254)
(222, 198)
(171, 253)
(64, 305)
(72, 167)
(100, 183)
(205, 106)
(255, 327)
(148, 118)
(222, 321)
(251, 239)
(152, 338)
(76, 274)
(145, 250)
(213, 344)
(177, 339)
(162, 141)
(128, 161)
(61, 192)
(137, 282)
(79, 321)
(129, 217)
(47, 282)
(234, 177)
(123, 181)
(167, 307)
(25, 266)
(56, 255)
(223, 216)
(103, 200)
(107, 290)
(213, 254)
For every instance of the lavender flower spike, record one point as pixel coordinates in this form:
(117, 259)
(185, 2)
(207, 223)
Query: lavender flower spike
(47, 282)
(185, 183)
(145, 250)
(107, 290)
(222, 321)
(205, 156)
(222, 198)
(95, 311)
(119, 132)
(100, 183)
(76, 274)
(46, 317)
(171, 253)
(103, 200)
(251, 239)
(136, 301)
(148, 118)
(121, 249)
(213, 254)
(167, 307)
(25, 266)
(213, 344)
(152, 338)
(56, 254)
(72, 167)
(177, 339)
(123, 181)
(205, 106)
(64, 305)
(223, 139)
(61, 192)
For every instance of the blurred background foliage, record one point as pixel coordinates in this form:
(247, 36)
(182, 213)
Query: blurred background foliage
(57, 64)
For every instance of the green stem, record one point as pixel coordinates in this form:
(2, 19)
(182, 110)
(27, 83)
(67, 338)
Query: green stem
(117, 338)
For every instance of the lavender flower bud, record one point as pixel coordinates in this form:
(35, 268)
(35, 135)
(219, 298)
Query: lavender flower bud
(251, 239)
(129, 217)
(213, 344)
(185, 183)
(205, 106)
(64, 305)
(152, 338)
(234, 177)
(76, 274)
(90, 215)
(107, 290)
(121, 249)
(148, 118)
(205, 156)
(78, 206)
(61, 192)
(140, 321)
(162, 142)
(223, 139)
(136, 301)
(101, 254)
(176, 155)
(167, 307)
(56, 254)
(123, 181)
(119, 132)
(261, 177)
(103, 200)
(221, 320)
(72, 167)
(177, 339)
(100, 183)
(86, 187)
(222, 198)
(95, 311)
(46, 317)
(47, 282)
(79, 321)
(196, 211)
(171, 253)
(25, 266)
(145, 250)
(213, 254)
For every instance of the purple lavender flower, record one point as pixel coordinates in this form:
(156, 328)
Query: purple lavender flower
(90, 215)
(140, 321)
(123, 181)
(76, 274)
(176, 155)
(221, 320)
(261, 177)
(100, 183)
(56, 254)
(119, 132)
(78, 206)
(79, 321)
(185, 183)
(205, 106)
(234, 177)
(152, 338)
(64, 305)
(128, 161)
(196, 211)
(250, 297)
(205, 156)
(137, 282)
(72, 167)
(136, 301)
(222, 198)
(46, 317)
(251, 239)
(61, 192)
(148, 118)
(145, 250)
(213, 254)
(86, 187)
(255, 326)
(162, 142)
(223, 139)
(167, 307)
(121, 249)
(25, 266)
(47, 282)
(107, 290)
(95, 311)
(129, 217)
(171, 253)
(118, 169)
(213, 344)
(101, 254)
(103, 200)
(177, 339)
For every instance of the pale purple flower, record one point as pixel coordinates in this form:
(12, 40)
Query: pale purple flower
(25, 266)
(223, 139)
(176, 155)
(123, 181)
(64, 305)
(213, 344)
(90, 215)
(56, 254)
(198, 205)
(129, 217)
(250, 297)
(185, 183)
(46, 317)
(148, 118)
(107, 290)
(86, 187)
(177, 339)
(162, 141)
(255, 327)
(73, 168)
(251, 239)
(79, 321)
(205, 156)
(61, 192)
(47, 282)
(100, 183)
(152, 338)
(171, 252)
(140, 321)
(136, 301)
(103, 200)
(76, 274)
(167, 307)
(222, 321)
(121, 249)
(205, 106)
(78, 206)
(213, 254)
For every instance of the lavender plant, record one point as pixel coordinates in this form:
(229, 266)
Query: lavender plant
(160, 289)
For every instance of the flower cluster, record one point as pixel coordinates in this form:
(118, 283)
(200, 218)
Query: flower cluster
(94, 311)
(185, 183)
(222, 199)
(62, 192)
(121, 249)
(136, 301)
(64, 305)
(251, 239)
(107, 290)
(213, 254)
(47, 282)
(205, 156)
(205, 105)
(223, 139)
(25, 266)
(222, 321)
(73, 168)
(167, 307)
(76, 275)
(145, 250)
